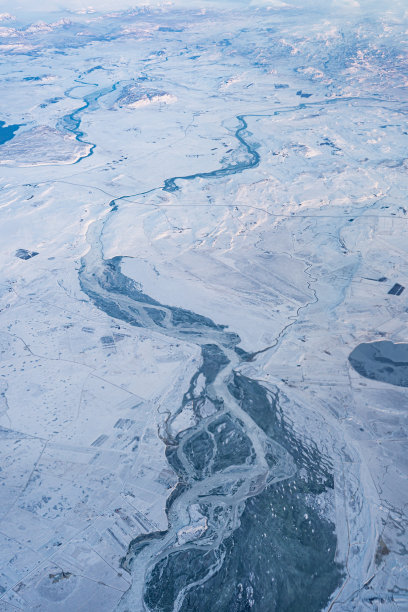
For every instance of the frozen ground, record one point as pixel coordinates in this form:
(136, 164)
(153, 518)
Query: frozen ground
(203, 232)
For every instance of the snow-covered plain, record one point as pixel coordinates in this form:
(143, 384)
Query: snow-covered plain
(249, 164)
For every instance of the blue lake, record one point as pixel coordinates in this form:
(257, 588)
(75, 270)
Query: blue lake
(7, 131)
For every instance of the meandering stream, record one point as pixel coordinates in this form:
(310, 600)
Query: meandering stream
(244, 532)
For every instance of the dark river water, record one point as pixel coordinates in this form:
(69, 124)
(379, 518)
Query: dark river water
(251, 538)
(243, 530)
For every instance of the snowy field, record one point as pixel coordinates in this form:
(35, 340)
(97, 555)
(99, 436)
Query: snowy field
(203, 213)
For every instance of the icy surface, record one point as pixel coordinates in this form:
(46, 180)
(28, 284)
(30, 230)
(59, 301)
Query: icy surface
(384, 361)
(203, 340)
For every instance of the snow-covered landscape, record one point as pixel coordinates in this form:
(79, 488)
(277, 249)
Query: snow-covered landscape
(203, 306)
